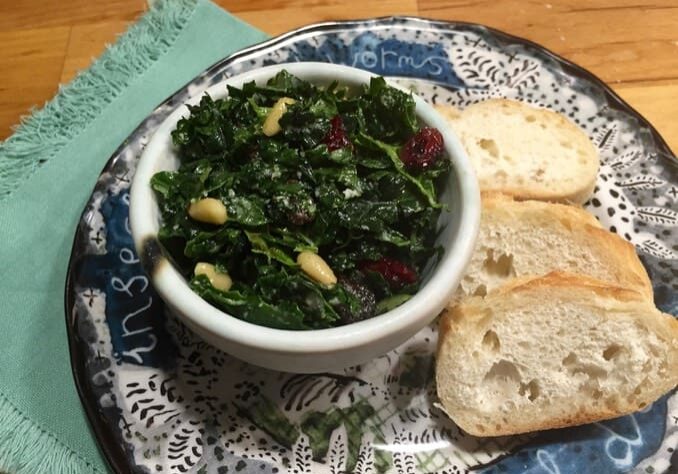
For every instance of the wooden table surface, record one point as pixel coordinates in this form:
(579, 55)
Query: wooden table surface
(630, 44)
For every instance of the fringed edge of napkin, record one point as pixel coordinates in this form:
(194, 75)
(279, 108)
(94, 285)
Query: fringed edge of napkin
(25, 447)
(43, 133)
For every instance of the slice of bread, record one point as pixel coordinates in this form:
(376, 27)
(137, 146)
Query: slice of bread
(554, 351)
(532, 238)
(526, 152)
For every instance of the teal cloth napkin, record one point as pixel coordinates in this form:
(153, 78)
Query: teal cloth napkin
(47, 171)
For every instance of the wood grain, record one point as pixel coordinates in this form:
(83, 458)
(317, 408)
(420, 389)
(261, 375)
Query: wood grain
(658, 104)
(630, 44)
(86, 42)
(31, 14)
(617, 42)
(31, 62)
(276, 22)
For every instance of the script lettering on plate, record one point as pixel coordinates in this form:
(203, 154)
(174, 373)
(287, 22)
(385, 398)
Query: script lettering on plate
(134, 312)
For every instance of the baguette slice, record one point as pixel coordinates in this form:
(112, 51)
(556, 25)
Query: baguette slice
(551, 352)
(532, 238)
(526, 152)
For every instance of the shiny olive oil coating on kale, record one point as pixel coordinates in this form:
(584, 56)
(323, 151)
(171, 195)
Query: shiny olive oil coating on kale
(352, 179)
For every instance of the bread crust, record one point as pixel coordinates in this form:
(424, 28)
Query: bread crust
(568, 214)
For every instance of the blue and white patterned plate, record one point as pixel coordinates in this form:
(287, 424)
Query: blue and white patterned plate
(161, 400)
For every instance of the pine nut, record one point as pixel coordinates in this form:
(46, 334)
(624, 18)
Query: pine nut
(209, 210)
(271, 126)
(314, 266)
(220, 281)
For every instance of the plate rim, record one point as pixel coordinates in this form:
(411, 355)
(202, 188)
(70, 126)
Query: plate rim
(105, 439)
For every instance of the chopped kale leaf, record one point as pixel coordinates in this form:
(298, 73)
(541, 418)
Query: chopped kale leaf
(331, 181)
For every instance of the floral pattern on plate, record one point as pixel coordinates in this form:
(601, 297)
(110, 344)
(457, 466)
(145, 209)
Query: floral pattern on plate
(161, 400)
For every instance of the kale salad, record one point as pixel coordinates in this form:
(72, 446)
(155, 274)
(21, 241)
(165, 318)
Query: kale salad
(303, 207)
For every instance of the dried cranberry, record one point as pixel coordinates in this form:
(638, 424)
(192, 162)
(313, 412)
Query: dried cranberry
(367, 299)
(336, 138)
(422, 149)
(395, 272)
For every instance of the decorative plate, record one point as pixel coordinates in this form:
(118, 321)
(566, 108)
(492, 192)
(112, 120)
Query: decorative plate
(161, 400)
